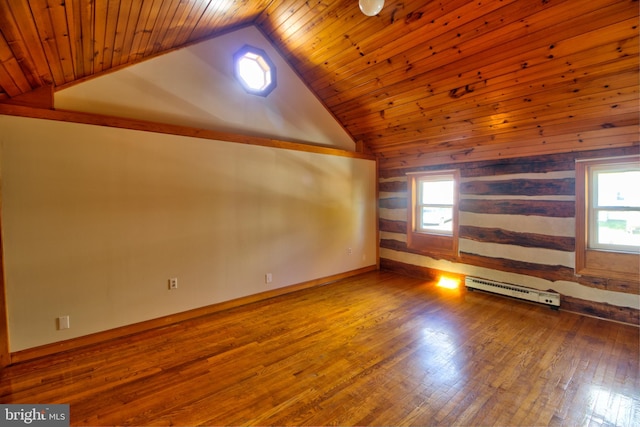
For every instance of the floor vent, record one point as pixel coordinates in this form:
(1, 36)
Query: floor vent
(551, 299)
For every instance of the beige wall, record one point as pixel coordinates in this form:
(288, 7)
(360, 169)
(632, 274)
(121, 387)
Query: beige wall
(195, 86)
(96, 220)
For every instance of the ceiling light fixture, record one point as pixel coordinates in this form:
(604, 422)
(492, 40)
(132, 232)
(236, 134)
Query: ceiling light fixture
(371, 7)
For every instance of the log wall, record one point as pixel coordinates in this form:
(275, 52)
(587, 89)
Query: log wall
(516, 225)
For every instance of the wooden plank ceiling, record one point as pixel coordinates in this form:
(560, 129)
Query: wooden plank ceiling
(424, 82)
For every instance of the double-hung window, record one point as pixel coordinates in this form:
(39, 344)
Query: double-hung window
(432, 223)
(608, 217)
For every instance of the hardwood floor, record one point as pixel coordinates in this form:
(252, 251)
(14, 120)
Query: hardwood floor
(376, 349)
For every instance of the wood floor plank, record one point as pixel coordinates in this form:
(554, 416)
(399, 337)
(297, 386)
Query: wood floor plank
(375, 349)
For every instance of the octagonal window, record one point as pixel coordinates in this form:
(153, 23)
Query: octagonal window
(255, 71)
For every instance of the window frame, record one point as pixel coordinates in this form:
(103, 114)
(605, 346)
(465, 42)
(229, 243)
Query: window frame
(264, 61)
(431, 242)
(599, 262)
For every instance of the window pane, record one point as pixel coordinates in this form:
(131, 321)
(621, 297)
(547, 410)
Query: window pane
(254, 76)
(618, 189)
(437, 219)
(437, 192)
(618, 228)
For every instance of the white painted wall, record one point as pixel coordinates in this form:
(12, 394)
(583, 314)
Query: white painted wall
(195, 86)
(97, 219)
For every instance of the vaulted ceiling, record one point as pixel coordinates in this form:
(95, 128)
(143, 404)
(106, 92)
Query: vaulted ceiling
(420, 83)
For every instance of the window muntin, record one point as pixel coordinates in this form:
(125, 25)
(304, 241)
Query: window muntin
(614, 207)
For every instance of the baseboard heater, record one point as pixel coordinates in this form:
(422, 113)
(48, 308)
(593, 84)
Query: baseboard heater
(551, 299)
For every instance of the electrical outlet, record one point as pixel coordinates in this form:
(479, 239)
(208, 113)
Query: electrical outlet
(349, 251)
(268, 278)
(173, 283)
(63, 323)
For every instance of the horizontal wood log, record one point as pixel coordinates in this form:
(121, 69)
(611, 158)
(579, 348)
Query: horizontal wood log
(392, 226)
(521, 187)
(402, 247)
(393, 203)
(601, 140)
(567, 303)
(552, 273)
(527, 240)
(601, 309)
(547, 272)
(516, 165)
(556, 209)
(539, 164)
(408, 269)
(393, 186)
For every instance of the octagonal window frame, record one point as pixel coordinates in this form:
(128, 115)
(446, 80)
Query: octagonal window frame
(263, 61)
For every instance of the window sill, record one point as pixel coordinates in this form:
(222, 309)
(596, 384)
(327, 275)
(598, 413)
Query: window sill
(610, 265)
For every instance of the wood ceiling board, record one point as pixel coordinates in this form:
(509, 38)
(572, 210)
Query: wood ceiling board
(421, 75)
